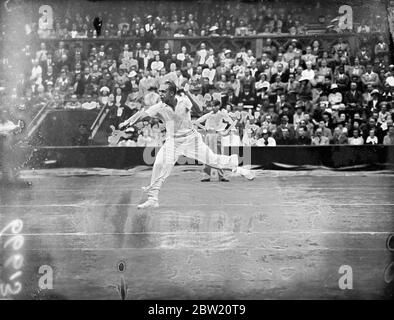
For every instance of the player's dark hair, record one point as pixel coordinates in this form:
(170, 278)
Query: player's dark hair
(171, 86)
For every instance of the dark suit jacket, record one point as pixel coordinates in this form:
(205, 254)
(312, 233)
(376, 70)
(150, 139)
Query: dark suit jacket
(141, 63)
(284, 77)
(350, 98)
(279, 135)
(305, 141)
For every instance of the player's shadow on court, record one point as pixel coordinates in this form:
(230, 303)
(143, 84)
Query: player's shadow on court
(130, 226)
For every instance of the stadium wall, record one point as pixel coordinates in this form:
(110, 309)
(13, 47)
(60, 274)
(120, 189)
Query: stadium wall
(279, 157)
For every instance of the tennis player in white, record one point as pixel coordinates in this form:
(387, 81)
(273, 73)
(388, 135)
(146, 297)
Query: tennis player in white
(181, 139)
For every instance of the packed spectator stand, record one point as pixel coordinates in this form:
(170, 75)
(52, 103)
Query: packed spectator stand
(284, 79)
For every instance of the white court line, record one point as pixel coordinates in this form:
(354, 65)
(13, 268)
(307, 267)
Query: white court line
(276, 188)
(206, 232)
(181, 247)
(215, 205)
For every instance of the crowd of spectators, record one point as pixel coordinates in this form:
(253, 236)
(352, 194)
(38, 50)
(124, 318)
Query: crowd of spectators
(292, 95)
(231, 18)
(297, 94)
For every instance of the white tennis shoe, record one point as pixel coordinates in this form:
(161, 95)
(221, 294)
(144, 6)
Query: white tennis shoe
(246, 173)
(150, 203)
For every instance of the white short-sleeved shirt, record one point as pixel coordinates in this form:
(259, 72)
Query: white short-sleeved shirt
(178, 122)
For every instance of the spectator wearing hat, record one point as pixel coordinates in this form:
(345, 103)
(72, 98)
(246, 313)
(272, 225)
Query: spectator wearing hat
(262, 82)
(228, 60)
(302, 137)
(304, 89)
(266, 140)
(319, 139)
(104, 95)
(335, 98)
(374, 103)
(387, 92)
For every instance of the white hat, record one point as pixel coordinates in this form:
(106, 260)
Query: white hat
(334, 86)
(207, 97)
(375, 91)
(105, 89)
(390, 81)
(217, 96)
(303, 78)
(227, 51)
(261, 85)
(213, 28)
(132, 74)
